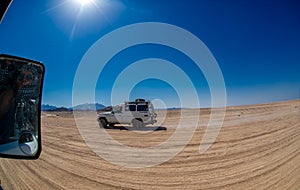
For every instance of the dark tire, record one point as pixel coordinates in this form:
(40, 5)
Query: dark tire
(102, 123)
(136, 123)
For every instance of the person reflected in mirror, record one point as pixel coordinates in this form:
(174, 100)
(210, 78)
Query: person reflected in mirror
(27, 98)
(12, 81)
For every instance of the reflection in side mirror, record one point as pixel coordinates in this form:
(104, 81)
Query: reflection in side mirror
(21, 82)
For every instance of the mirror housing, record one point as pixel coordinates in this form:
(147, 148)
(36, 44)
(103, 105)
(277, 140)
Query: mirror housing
(3, 8)
(21, 83)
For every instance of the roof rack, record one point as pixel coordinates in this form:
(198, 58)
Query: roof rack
(140, 100)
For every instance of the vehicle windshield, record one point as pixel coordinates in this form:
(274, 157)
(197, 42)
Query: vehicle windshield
(117, 109)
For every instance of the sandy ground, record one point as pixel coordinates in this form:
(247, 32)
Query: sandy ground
(258, 148)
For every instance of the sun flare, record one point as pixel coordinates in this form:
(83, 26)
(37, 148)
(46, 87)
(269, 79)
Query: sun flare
(85, 2)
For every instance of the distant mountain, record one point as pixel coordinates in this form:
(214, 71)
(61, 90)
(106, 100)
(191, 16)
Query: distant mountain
(90, 106)
(83, 107)
(47, 107)
(174, 108)
(53, 108)
(61, 109)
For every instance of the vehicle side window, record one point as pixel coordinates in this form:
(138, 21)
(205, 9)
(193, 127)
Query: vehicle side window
(142, 108)
(132, 107)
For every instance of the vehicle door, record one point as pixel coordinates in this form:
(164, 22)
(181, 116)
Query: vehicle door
(129, 113)
(117, 114)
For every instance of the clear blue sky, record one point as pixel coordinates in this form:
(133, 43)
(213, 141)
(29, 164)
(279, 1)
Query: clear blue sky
(256, 44)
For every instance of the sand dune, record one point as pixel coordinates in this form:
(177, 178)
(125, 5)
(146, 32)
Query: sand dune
(258, 148)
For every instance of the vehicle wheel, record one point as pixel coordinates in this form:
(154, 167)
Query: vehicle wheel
(111, 125)
(137, 123)
(102, 123)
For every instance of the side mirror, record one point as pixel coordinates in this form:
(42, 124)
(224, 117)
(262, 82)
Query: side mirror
(21, 82)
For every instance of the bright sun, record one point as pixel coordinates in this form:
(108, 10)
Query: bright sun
(85, 2)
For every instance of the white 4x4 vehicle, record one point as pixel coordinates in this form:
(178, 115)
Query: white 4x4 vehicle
(138, 113)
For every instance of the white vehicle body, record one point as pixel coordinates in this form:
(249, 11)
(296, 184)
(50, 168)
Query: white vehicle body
(138, 113)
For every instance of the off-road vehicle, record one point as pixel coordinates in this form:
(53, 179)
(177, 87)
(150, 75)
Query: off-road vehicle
(138, 113)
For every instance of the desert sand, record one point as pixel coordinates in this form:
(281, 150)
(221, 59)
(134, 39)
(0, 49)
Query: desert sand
(258, 147)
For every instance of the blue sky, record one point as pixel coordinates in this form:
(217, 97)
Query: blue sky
(256, 44)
